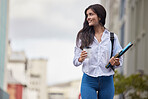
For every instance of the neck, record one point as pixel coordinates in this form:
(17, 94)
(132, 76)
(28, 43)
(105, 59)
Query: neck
(99, 29)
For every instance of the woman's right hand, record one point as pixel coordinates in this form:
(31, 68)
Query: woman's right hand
(83, 56)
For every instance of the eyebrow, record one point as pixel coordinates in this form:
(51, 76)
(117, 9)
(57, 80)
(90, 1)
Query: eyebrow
(89, 13)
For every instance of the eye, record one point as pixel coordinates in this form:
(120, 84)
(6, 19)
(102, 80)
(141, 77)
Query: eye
(90, 14)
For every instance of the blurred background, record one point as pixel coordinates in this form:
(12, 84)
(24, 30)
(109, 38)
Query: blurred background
(37, 39)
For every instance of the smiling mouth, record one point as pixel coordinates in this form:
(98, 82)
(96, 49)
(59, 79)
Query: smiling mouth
(89, 21)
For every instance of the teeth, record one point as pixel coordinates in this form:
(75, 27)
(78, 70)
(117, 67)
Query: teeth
(89, 21)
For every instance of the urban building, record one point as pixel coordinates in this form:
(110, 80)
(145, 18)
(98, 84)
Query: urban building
(26, 78)
(36, 74)
(4, 9)
(17, 65)
(136, 30)
(14, 88)
(68, 90)
(112, 15)
(16, 74)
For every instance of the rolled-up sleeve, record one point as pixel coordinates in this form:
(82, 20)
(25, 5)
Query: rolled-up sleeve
(77, 53)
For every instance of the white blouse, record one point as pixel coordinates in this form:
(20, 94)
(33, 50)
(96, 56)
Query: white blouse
(99, 56)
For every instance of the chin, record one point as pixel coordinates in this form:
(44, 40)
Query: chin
(91, 25)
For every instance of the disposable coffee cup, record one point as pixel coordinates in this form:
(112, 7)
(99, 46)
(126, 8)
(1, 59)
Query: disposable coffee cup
(88, 50)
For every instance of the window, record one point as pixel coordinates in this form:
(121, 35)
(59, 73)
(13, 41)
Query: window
(122, 9)
(122, 34)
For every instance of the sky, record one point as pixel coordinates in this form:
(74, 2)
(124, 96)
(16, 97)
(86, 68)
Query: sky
(47, 29)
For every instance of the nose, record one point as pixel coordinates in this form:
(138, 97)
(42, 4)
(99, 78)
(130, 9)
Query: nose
(88, 18)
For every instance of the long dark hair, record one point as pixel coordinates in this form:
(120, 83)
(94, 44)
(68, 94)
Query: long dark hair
(86, 34)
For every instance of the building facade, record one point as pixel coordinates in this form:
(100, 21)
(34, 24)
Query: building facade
(4, 6)
(68, 90)
(136, 30)
(36, 74)
(15, 91)
(16, 74)
(17, 65)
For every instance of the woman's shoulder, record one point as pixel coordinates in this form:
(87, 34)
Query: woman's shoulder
(115, 35)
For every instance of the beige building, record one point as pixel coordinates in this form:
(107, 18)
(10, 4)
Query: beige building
(29, 73)
(69, 90)
(16, 70)
(112, 15)
(17, 65)
(36, 74)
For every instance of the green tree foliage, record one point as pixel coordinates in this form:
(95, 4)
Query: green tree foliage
(134, 86)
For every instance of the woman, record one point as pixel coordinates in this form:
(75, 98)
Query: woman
(97, 81)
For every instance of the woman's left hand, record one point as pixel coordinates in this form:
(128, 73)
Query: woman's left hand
(114, 61)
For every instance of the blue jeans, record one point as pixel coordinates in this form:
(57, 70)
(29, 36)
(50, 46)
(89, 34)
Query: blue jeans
(101, 87)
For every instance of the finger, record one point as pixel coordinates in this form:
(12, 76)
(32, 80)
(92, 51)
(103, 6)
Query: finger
(82, 53)
(111, 60)
(112, 63)
(113, 57)
(116, 61)
(83, 56)
(116, 58)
